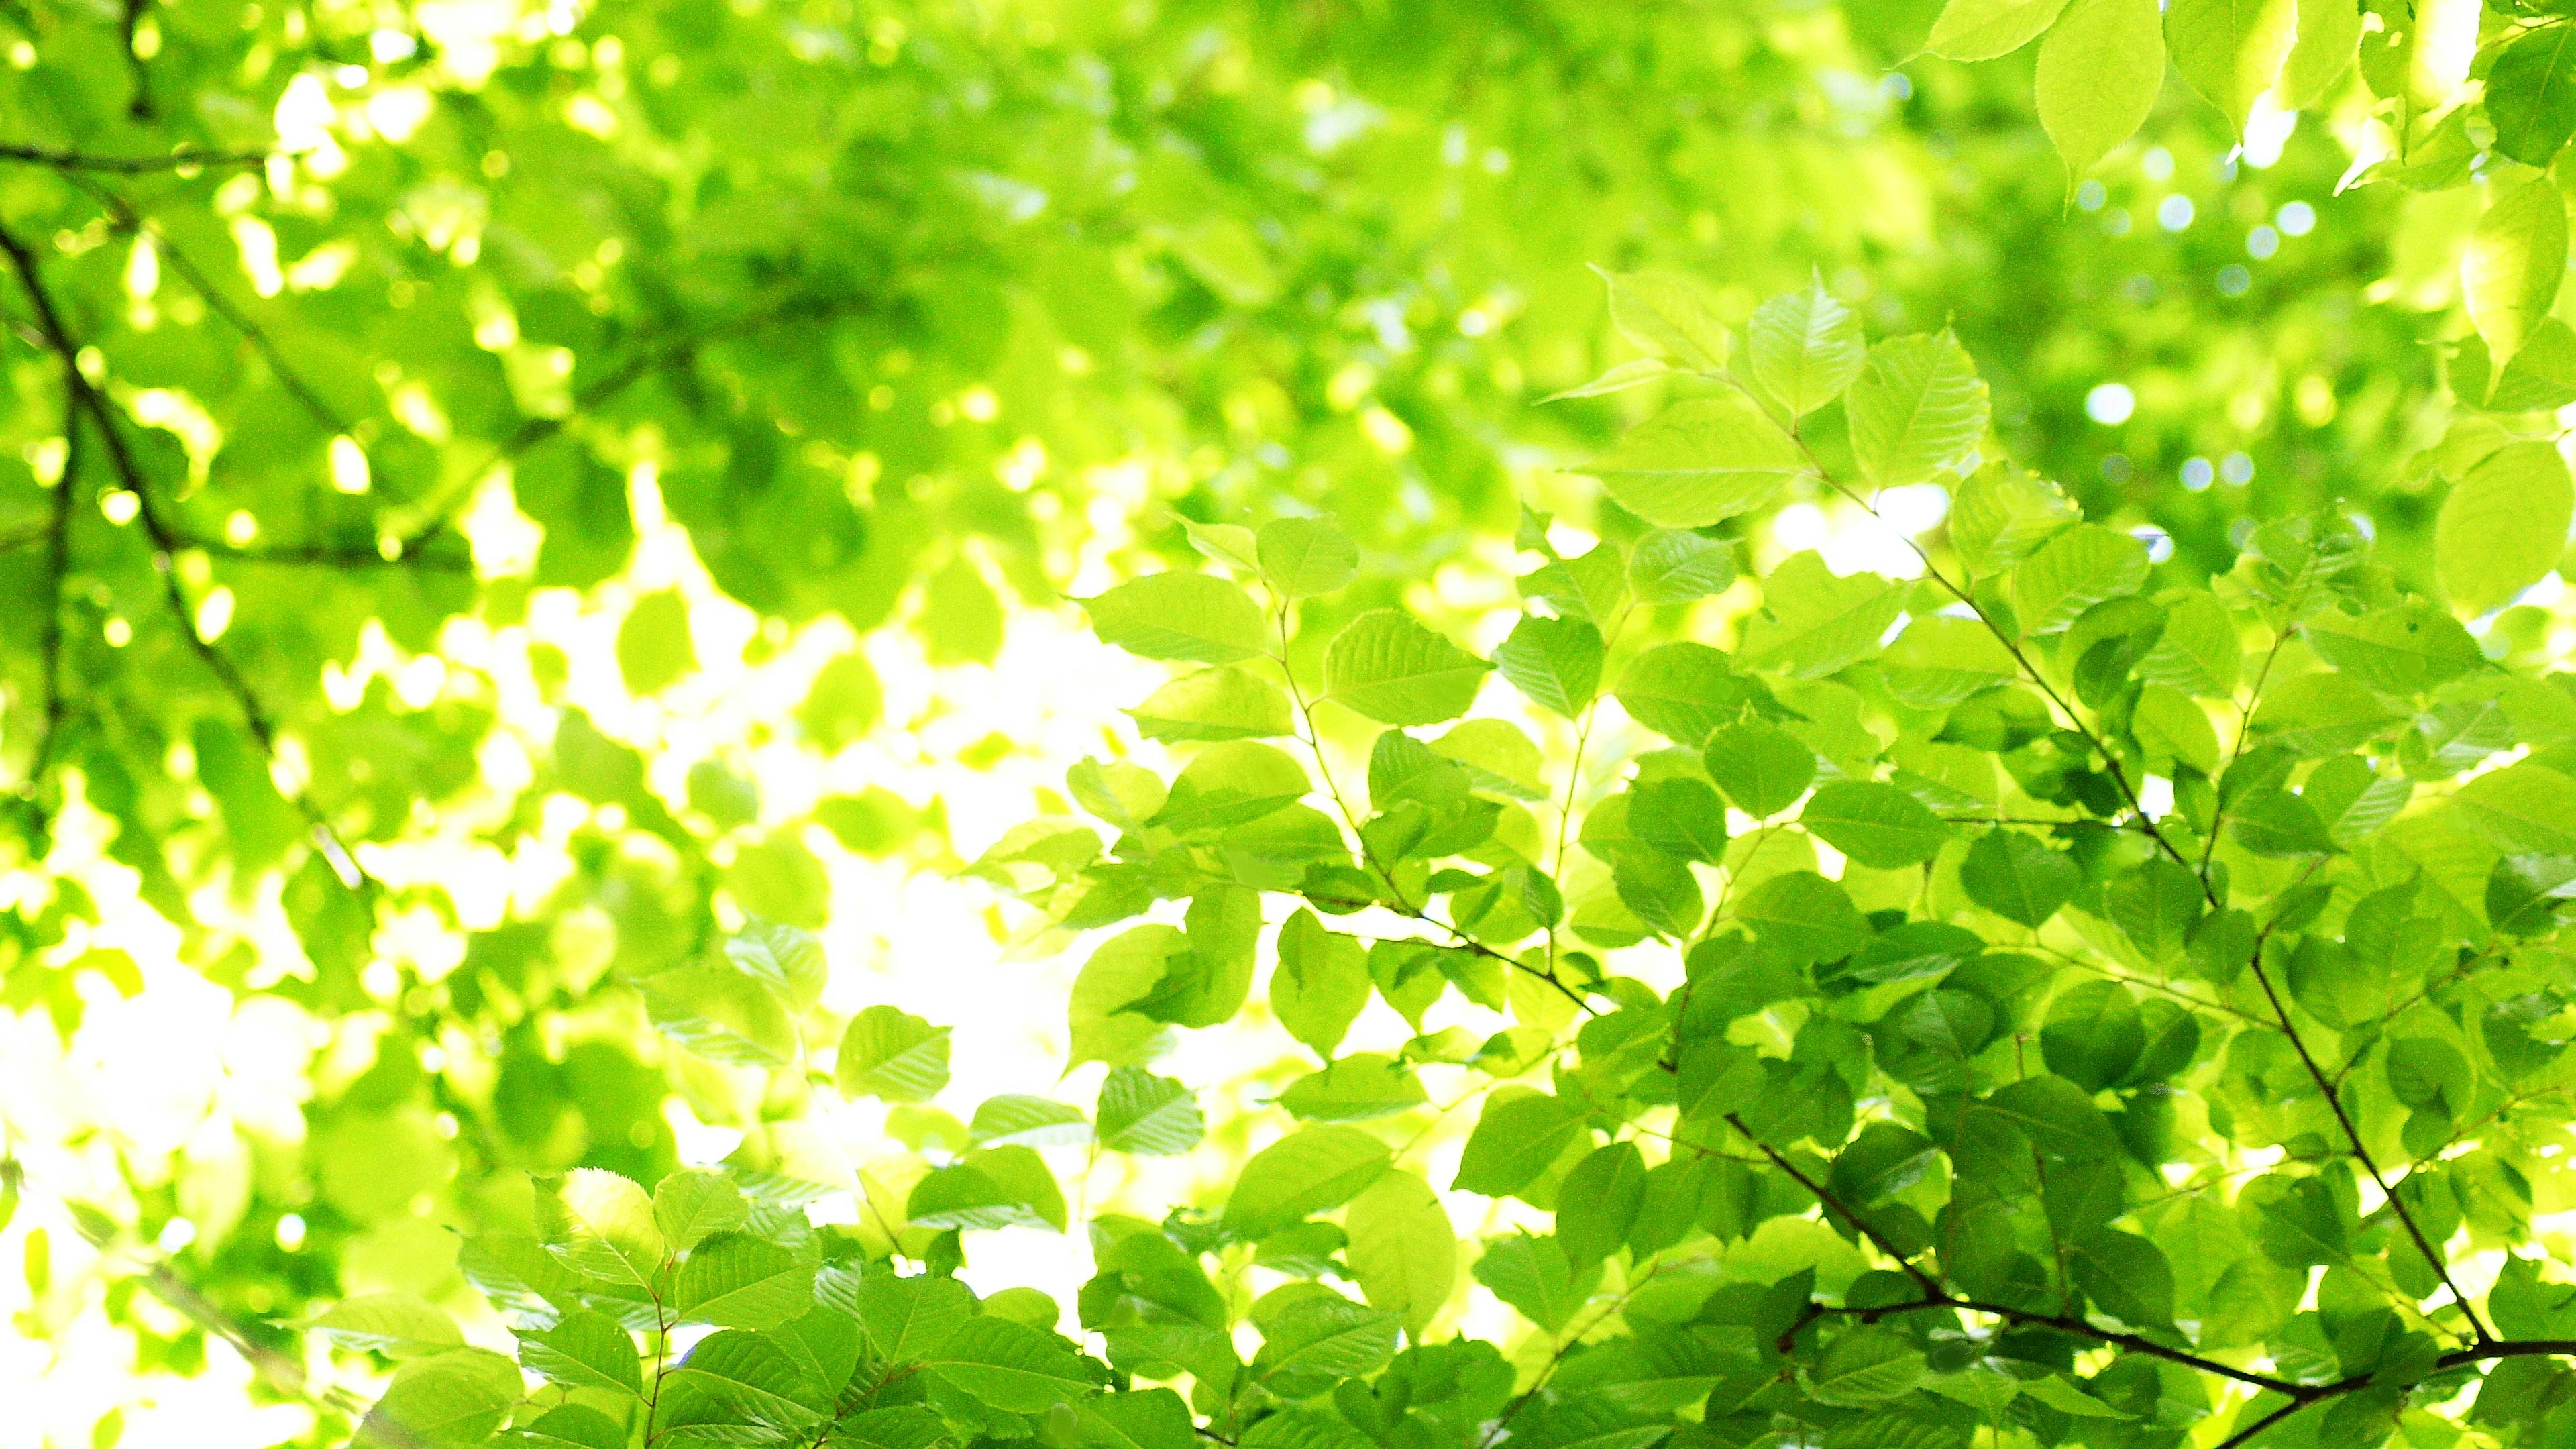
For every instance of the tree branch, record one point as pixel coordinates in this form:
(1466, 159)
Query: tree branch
(82, 397)
(59, 160)
(125, 218)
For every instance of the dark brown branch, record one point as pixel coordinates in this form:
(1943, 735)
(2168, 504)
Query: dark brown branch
(167, 545)
(132, 165)
(2246, 1434)
(126, 219)
(58, 536)
(141, 108)
(1937, 1296)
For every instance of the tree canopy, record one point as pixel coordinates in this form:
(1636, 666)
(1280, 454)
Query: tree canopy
(1505, 724)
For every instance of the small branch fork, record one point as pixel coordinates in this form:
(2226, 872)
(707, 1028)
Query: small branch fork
(80, 397)
(2481, 1337)
(1938, 1297)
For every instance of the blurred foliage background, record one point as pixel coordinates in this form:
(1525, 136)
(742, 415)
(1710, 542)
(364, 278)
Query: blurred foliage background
(494, 495)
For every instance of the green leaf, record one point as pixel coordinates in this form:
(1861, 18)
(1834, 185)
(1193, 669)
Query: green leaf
(784, 959)
(1984, 29)
(736, 1378)
(1003, 1187)
(2074, 571)
(2323, 714)
(721, 1015)
(1313, 1338)
(1681, 817)
(2531, 94)
(2065, 1397)
(2156, 903)
(1675, 566)
(1010, 1367)
(1402, 1250)
(1804, 917)
(1592, 586)
(1214, 704)
(1014, 1120)
(1636, 371)
(2093, 1035)
(1700, 462)
(1599, 1203)
(585, 1350)
(1147, 1115)
(1669, 315)
(1231, 783)
(1516, 1139)
(568, 1424)
(1358, 1088)
(1393, 670)
(2013, 875)
(1864, 1367)
(2231, 50)
(1180, 616)
(1109, 1011)
(1682, 691)
(2525, 808)
(1303, 557)
(2199, 652)
(692, 1204)
(735, 1280)
(2502, 526)
(2003, 514)
(1939, 661)
(1230, 544)
(458, 1397)
(1805, 347)
(1321, 983)
(906, 1319)
(601, 1225)
(2329, 33)
(1556, 663)
(1814, 621)
(653, 651)
(892, 1055)
(1877, 825)
(1917, 408)
(1138, 1419)
(2397, 651)
(2516, 258)
(1532, 1276)
(1761, 767)
(398, 1325)
(1302, 1174)
(2099, 71)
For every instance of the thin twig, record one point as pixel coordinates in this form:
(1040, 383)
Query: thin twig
(136, 165)
(123, 216)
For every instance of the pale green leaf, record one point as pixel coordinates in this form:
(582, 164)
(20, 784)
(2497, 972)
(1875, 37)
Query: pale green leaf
(2231, 50)
(1984, 29)
(1180, 616)
(1215, 704)
(890, 1054)
(2514, 263)
(1917, 408)
(1556, 663)
(1387, 666)
(1669, 315)
(2503, 526)
(1402, 1249)
(1302, 1174)
(1805, 347)
(1700, 462)
(2099, 71)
